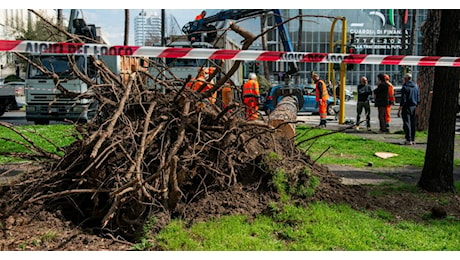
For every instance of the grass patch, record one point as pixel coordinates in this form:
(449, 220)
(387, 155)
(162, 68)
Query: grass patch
(319, 227)
(347, 149)
(45, 136)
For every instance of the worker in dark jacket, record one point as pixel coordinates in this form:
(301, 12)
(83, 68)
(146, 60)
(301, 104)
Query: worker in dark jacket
(409, 101)
(364, 96)
(381, 102)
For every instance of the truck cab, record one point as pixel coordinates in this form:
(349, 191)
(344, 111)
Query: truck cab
(45, 102)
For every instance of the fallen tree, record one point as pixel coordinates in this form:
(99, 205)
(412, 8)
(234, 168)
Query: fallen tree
(148, 151)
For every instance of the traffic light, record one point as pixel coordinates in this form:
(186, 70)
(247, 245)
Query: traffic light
(250, 66)
(256, 67)
(351, 49)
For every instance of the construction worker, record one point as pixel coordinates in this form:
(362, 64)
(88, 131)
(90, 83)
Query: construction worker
(197, 83)
(391, 100)
(251, 97)
(321, 97)
(227, 95)
(201, 15)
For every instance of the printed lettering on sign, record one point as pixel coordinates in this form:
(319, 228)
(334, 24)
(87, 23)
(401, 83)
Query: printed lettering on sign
(292, 56)
(335, 58)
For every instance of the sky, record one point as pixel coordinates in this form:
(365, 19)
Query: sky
(110, 15)
(112, 21)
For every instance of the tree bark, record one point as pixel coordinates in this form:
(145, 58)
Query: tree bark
(437, 174)
(263, 20)
(425, 79)
(284, 116)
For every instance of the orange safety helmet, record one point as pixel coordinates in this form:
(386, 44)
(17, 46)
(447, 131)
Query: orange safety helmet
(386, 76)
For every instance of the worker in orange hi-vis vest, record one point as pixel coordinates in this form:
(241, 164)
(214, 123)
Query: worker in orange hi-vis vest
(201, 15)
(227, 94)
(321, 97)
(391, 100)
(251, 97)
(197, 83)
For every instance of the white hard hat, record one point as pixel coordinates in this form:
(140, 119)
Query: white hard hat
(252, 76)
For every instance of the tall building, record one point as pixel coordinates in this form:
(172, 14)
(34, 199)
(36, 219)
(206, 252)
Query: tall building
(147, 29)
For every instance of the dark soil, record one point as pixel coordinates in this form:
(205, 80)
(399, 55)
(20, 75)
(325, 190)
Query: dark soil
(38, 229)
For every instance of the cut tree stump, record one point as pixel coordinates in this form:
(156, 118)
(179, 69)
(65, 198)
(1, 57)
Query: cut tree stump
(284, 117)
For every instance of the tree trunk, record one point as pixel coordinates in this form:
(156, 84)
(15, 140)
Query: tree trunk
(126, 39)
(299, 42)
(425, 79)
(402, 13)
(263, 20)
(284, 117)
(59, 17)
(437, 174)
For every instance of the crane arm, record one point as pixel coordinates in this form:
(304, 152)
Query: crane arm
(195, 29)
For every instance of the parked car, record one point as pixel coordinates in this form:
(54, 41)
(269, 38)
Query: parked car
(348, 94)
(309, 97)
(397, 90)
(12, 96)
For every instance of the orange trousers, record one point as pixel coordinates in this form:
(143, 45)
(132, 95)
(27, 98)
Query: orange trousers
(252, 108)
(388, 114)
(322, 107)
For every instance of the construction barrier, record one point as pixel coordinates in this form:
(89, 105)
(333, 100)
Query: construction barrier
(36, 47)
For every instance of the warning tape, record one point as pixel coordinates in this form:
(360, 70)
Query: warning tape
(36, 47)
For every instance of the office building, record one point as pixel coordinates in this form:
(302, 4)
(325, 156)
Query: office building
(147, 29)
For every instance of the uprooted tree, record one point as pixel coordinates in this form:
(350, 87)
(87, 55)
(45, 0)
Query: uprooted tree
(148, 151)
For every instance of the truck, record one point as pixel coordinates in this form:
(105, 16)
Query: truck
(45, 102)
(12, 96)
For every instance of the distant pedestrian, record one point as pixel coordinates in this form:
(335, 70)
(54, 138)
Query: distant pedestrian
(391, 100)
(321, 97)
(381, 102)
(364, 96)
(409, 101)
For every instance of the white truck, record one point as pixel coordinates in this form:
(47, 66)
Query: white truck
(45, 102)
(11, 96)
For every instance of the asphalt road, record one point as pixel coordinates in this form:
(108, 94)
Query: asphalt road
(350, 118)
(19, 117)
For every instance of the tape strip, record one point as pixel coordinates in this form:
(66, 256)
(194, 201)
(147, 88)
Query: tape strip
(36, 47)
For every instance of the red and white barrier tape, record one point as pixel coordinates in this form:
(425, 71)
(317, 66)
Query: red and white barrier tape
(36, 47)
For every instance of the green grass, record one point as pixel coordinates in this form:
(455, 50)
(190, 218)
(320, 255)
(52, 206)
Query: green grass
(351, 150)
(318, 227)
(60, 135)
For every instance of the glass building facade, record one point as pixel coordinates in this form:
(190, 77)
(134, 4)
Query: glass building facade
(371, 31)
(147, 29)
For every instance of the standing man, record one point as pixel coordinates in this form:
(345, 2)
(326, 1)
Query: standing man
(251, 97)
(381, 102)
(391, 100)
(409, 101)
(321, 97)
(364, 95)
